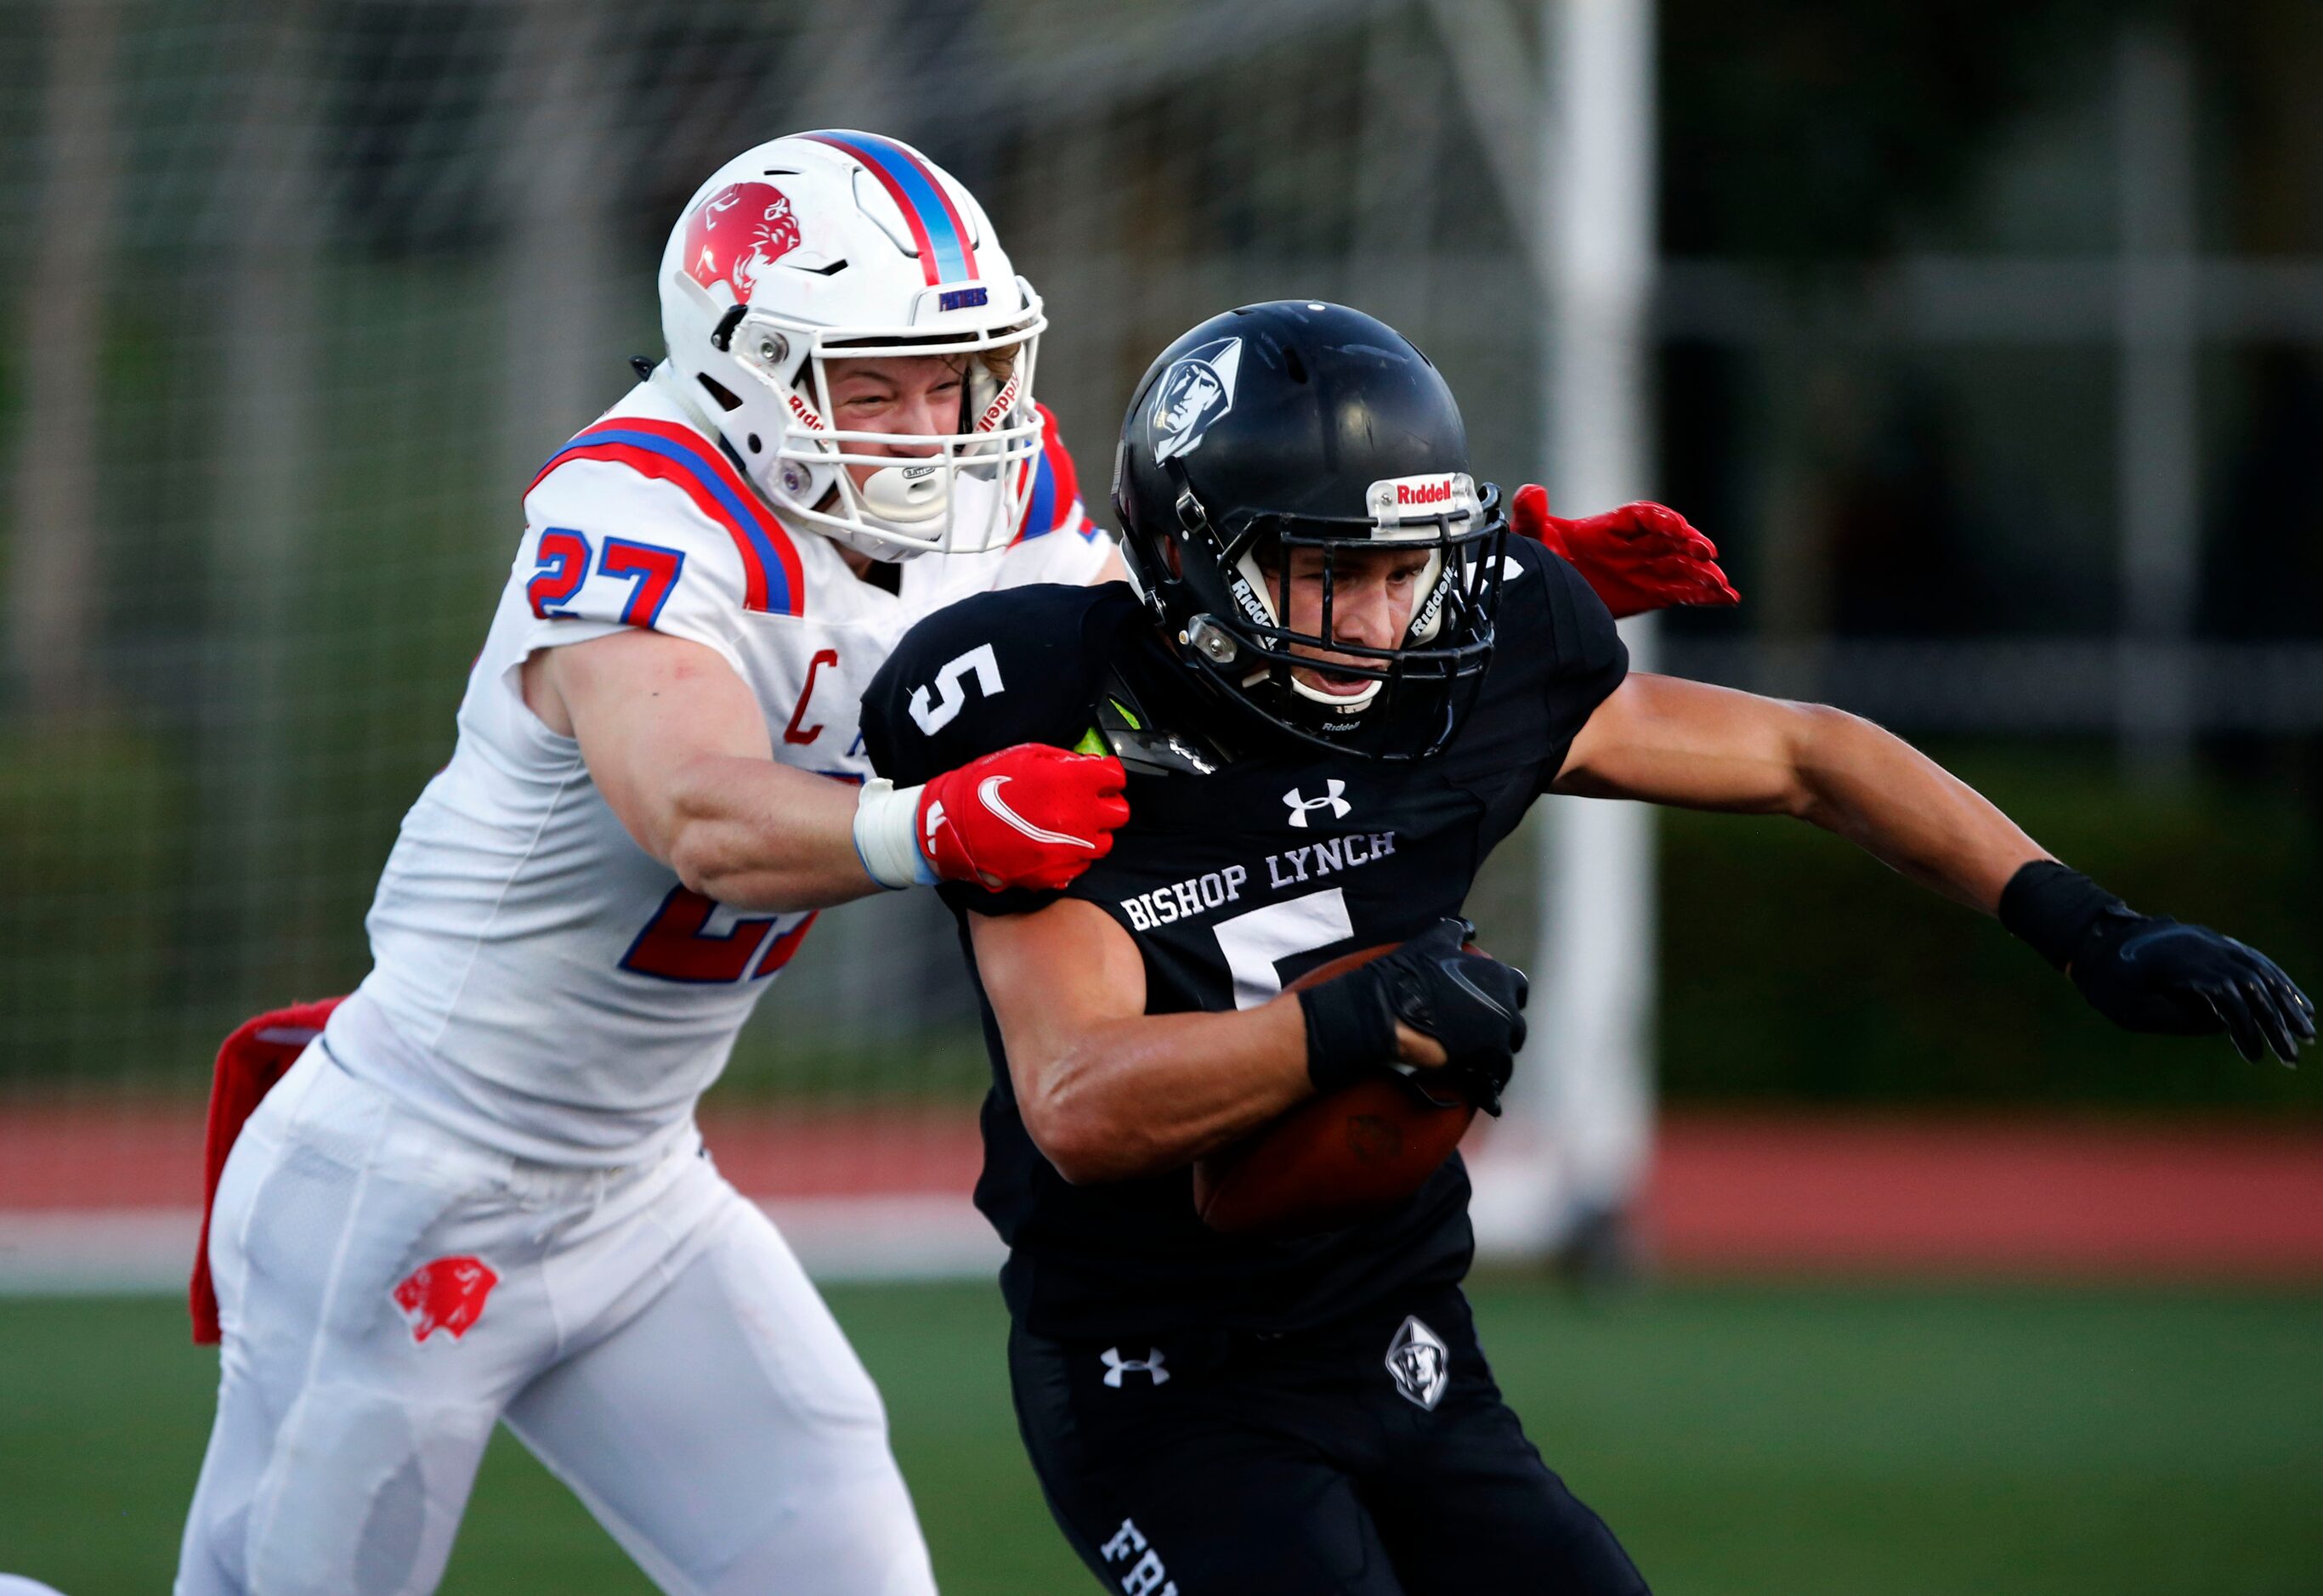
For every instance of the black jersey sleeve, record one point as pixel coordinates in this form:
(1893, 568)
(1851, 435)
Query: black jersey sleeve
(1563, 623)
(986, 674)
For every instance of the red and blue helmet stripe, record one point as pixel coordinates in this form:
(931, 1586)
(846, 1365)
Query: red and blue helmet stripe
(773, 581)
(946, 254)
(1053, 503)
(1040, 505)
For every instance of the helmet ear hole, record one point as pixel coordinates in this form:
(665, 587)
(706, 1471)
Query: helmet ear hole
(755, 445)
(724, 396)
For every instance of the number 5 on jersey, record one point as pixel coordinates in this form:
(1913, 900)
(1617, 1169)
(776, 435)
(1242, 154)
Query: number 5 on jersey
(1256, 942)
(561, 565)
(935, 707)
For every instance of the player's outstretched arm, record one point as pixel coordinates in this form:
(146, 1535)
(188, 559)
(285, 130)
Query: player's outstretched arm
(679, 748)
(1672, 741)
(1109, 1092)
(1667, 740)
(1641, 557)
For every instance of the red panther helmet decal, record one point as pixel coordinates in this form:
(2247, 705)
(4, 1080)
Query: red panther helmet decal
(737, 233)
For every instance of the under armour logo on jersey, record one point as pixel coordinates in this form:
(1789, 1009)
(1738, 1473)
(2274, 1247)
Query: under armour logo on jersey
(1330, 800)
(1115, 1366)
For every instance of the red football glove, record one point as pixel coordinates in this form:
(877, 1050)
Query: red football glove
(1639, 557)
(1029, 816)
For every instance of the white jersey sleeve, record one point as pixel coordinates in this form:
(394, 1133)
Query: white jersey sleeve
(607, 545)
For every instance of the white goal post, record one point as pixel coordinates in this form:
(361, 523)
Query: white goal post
(1573, 1150)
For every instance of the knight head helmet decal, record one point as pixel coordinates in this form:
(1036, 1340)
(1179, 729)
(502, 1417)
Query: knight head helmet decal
(1194, 392)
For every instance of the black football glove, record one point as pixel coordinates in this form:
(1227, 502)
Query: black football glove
(1470, 1003)
(2147, 972)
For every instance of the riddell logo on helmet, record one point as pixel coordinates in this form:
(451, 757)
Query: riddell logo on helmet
(805, 412)
(1421, 498)
(1250, 603)
(740, 233)
(1002, 403)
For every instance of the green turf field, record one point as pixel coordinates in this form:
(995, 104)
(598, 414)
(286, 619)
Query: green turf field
(1871, 1442)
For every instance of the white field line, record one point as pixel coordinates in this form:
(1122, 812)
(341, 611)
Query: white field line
(114, 1251)
(915, 1236)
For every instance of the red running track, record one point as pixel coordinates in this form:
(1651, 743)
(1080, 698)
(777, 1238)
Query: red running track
(1987, 1198)
(1729, 1193)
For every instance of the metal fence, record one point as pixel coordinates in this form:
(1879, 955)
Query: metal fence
(298, 292)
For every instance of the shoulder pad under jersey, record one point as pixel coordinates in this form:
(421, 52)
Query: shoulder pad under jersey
(643, 480)
(1016, 665)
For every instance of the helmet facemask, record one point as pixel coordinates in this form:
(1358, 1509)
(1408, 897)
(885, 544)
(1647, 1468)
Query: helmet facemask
(909, 501)
(1418, 691)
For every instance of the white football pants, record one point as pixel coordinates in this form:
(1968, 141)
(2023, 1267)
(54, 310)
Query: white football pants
(645, 1331)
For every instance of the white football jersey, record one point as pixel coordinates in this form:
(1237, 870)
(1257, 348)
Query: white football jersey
(540, 983)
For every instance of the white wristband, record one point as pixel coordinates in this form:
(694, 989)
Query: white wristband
(887, 836)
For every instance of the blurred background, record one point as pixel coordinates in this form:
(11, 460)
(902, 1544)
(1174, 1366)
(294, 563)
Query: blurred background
(1986, 338)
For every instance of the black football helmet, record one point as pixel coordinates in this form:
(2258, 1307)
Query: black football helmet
(1298, 424)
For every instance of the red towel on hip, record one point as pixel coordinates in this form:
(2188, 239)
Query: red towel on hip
(256, 1055)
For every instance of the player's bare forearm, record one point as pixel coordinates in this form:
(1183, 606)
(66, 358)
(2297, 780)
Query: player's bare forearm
(1107, 1091)
(757, 835)
(1890, 799)
(677, 746)
(1667, 740)
(1150, 1093)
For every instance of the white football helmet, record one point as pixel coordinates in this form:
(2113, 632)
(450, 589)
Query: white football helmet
(841, 245)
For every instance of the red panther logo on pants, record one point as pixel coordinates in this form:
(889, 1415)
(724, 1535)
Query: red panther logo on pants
(447, 1294)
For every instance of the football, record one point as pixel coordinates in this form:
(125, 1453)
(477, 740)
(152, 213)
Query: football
(1336, 1158)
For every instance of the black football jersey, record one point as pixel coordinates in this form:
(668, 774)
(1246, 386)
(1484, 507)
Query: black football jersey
(1232, 881)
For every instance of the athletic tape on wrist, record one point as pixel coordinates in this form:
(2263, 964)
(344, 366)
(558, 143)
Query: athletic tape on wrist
(887, 836)
(1350, 1029)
